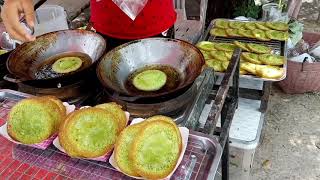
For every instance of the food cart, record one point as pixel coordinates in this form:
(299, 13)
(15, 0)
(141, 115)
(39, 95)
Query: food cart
(207, 148)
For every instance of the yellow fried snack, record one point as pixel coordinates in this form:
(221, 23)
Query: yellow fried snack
(262, 26)
(236, 24)
(218, 32)
(251, 57)
(277, 35)
(258, 48)
(246, 33)
(123, 147)
(233, 32)
(117, 112)
(167, 119)
(225, 46)
(242, 72)
(249, 67)
(228, 54)
(31, 121)
(205, 45)
(260, 35)
(272, 59)
(54, 110)
(88, 133)
(221, 24)
(250, 25)
(219, 55)
(58, 102)
(225, 65)
(206, 54)
(279, 26)
(156, 150)
(242, 45)
(269, 72)
(215, 64)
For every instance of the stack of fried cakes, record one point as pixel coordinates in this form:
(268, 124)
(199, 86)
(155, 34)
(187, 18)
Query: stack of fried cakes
(34, 120)
(149, 149)
(92, 132)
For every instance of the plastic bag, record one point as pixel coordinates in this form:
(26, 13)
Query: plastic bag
(131, 8)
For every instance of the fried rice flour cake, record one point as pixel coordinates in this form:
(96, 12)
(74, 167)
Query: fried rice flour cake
(123, 147)
(31, 121)
(117, 112)
(156, 150)
(89, 133)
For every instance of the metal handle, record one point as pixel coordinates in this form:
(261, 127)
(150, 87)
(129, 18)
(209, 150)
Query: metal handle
(124, 98)
(303, 63)
(12, 79)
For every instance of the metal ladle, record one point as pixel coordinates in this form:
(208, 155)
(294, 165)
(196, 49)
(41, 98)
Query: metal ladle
(6, 42)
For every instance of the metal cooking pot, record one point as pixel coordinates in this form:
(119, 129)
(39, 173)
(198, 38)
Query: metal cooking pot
(181, 61)
(24, 62)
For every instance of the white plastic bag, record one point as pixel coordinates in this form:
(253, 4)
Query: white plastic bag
(131, 8)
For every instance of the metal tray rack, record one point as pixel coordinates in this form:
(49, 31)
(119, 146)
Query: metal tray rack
(22, 162)
(278, 47)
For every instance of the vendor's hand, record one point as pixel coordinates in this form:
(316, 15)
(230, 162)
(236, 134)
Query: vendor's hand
(11, 12)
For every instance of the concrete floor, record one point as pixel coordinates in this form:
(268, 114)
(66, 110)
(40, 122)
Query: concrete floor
(289, 144)
(290, 147)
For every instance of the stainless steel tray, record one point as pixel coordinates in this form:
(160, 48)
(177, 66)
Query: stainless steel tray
(200, 161)
(278, 47)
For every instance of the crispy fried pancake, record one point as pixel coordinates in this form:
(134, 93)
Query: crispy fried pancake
(117, 112)
(206, 54)
(221, 24)
(206, 45)
(251, 57)
(167, 119)
(31, 122)
(277, 35)
(156, 150)
(249, 67)
(242, 45)
(271, 59)
(89, 133)
(233, 33)
(225, 46)
(270, 72)
(218, 32)
(258, 48)
(58, 102)
(225, 65)
(219, 55)
(215, 64)
(260, 35)
(246, 33)
(123, 147)
(279, 26)
(262, 26)
(250, 25)
(236, 24)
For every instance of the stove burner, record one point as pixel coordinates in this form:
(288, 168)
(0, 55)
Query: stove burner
(75, 93)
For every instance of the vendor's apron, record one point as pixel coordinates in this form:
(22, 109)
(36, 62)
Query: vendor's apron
(156, 17)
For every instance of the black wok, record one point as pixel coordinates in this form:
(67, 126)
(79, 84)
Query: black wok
(31, 62)
(181, 61)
